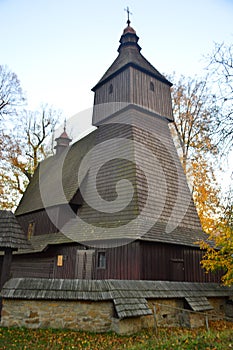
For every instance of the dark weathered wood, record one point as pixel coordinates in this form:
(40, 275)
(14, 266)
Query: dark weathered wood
(135, 98)
(6, 266)
(168, 262)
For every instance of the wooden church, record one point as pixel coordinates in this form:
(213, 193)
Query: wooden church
(115, 204)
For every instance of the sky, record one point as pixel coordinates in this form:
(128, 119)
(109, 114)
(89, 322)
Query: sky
(61, 48)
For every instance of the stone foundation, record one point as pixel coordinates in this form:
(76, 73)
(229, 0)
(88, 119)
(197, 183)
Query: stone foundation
(77, 315)
(100, 316)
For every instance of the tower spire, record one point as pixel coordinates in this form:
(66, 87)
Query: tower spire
(63, 140)
(128, 14)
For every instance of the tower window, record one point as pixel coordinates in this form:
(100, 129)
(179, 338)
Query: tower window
(152, 87)
(31, 229)
(110, 89)
(101, 260)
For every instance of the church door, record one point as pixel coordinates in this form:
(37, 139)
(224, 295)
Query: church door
(177, 270)
(84, 264)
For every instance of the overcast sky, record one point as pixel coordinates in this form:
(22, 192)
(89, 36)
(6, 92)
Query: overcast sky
(60, 48)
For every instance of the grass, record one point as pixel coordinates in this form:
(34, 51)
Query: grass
(219, 336)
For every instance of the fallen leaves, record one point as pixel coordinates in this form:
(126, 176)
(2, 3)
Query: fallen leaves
(219, 336)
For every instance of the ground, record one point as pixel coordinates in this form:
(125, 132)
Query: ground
(219, 336)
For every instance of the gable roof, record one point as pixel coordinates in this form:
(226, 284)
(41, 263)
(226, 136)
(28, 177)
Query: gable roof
(11, 233)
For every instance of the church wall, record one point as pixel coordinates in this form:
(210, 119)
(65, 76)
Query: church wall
(168, 262)
(132, 86)
(41, 221)
(157, 100)
(122, 262)
(47, 220)
(36, 265)
(115, 94)
(133, 261)
(45, 264)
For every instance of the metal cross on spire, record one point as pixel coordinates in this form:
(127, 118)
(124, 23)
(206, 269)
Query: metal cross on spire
(128, 13)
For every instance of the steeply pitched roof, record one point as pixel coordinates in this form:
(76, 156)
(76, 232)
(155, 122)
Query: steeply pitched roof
(187, 229)
(129, 55)
(78, 232)
(46, 178)
(129, 297)
(11, 233)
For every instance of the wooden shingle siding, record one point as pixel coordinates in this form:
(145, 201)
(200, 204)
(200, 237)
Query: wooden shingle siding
(154, 135)
(108, 176)
(46, 177)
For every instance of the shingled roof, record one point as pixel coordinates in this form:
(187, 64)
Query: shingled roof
(161, 208)
(11, 233)
(46, 177)
(129, 297)
(129, 55)
(185, 232)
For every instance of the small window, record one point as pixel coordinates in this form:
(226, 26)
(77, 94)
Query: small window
(31, 229)
(152, 87)
(110, 89)
(101, 260)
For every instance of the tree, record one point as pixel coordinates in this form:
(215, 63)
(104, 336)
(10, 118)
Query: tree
(219, 254)
(22, 150)
(206, 192)
(194, 110)
(11, 93)
(196, 117)
(220, 65)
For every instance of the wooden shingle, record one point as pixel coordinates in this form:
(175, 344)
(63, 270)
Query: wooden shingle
(129, 297)
(199, 303)
(11, 233)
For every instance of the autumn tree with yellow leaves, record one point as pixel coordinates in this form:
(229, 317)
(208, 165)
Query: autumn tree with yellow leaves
(194, 110)
(220, 257)
(197, 114)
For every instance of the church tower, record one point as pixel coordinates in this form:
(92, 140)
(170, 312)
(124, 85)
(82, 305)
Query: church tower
(117, 203)
(133, 102)
(131, 79)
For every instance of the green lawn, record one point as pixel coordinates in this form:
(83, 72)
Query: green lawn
(220, 336)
